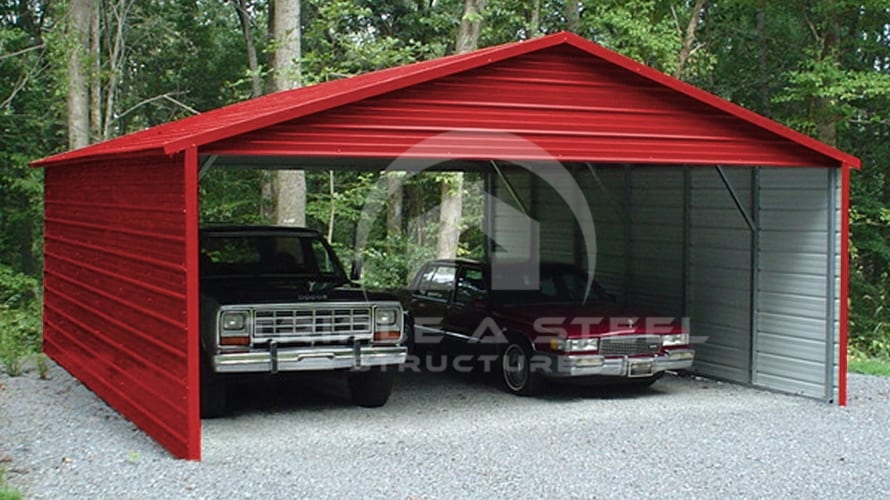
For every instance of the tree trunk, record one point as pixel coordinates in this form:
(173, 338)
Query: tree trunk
(79, 14)
(689, 38)
(95, 81)
(256, 82)
(291, 190)
(394, 202)
(470, 26)
(451, 204)
(572, 14)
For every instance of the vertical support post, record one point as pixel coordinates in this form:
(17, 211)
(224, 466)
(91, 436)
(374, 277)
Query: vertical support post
(831, 296)
(488, 211)
(628, 239)
(687, 240)
(845, 285)
(192, 214)
(755, 272)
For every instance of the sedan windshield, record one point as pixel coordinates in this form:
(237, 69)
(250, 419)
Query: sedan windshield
(556, 284)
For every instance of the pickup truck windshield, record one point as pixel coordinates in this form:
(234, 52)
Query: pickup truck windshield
(269, 255)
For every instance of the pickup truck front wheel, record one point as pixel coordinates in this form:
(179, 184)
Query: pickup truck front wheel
(370, 389)
(516, 370)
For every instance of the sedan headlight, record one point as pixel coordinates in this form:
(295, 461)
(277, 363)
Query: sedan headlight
(233, 321)
(576, 345)
(675, 339)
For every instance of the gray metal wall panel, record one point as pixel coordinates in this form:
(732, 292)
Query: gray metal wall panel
(605, 196)
(657, 247)
(719, 276)
(552, 211)
(793, 311)
(511, 228)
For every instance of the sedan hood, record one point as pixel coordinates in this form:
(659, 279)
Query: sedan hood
(595, 319)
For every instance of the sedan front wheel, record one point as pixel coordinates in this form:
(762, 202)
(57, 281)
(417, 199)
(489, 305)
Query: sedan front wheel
(516, 370)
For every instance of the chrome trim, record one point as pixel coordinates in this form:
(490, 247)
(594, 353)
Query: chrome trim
(562, 365)
(306, 359)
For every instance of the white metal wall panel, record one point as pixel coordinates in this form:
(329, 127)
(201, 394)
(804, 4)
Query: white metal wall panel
(795, 283)
(657, 215)
(719, 275)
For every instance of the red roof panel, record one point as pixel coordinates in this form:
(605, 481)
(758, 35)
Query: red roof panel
(252, 116)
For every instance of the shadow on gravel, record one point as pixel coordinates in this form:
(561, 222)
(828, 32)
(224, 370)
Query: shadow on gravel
(442, 385)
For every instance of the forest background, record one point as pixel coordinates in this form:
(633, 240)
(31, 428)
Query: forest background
(81, 71)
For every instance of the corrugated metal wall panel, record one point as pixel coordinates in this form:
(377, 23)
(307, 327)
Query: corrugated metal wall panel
(557, 222)
(604, 188)
(794, 303)
(719, 279)
(513, 234)
(657, 246)
(115, 289)
(575, 107)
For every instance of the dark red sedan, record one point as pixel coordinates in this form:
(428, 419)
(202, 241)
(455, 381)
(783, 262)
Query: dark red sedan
(541, 321)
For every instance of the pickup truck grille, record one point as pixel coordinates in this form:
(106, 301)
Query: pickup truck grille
(326, 324)
(630, 345)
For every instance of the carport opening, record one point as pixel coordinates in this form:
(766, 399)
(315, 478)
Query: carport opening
(740, 253)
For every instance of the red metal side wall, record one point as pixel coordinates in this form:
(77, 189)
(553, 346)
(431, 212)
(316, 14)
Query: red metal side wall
(115, 290)
(574, 106)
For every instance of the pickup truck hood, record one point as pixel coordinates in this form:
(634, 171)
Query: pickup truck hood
(601, 318)
(227, 291)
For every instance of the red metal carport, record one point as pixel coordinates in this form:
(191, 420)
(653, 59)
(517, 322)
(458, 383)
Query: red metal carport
(121, 275)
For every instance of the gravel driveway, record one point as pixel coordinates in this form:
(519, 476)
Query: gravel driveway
(454, 436)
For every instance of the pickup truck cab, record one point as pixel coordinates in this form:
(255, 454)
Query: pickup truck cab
(276, 299)
(541, 321)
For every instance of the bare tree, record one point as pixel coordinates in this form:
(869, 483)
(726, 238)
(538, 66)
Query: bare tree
(290, 194)
(80, 13)
(451, 204)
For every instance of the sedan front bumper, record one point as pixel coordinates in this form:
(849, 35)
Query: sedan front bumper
(308, 359)
(565, 365)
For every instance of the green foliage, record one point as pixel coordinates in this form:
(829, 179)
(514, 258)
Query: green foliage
(8, 492)
(19, 319)
(869, 365)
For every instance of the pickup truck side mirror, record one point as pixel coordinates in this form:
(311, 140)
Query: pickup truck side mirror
(355, 273)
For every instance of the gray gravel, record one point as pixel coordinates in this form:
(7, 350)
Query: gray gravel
(450, 435)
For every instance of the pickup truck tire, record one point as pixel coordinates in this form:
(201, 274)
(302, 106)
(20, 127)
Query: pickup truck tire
(516, 371)
(370, 389)
(213, 392)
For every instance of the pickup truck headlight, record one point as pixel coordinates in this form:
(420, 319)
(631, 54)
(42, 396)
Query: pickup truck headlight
(576, 345)
(675, 339)
(233, 328)
(233, 321)
(387, 317)
(386, 325)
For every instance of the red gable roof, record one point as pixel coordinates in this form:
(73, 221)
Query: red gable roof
(273, 109)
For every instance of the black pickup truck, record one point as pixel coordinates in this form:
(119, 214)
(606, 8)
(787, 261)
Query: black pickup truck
(277, 299)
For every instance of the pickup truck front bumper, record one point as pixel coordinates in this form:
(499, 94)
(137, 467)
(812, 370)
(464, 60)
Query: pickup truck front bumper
(288, 359)
(562, 366)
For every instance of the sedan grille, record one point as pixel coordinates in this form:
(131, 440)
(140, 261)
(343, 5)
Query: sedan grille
(322, 324)
(630, 345)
